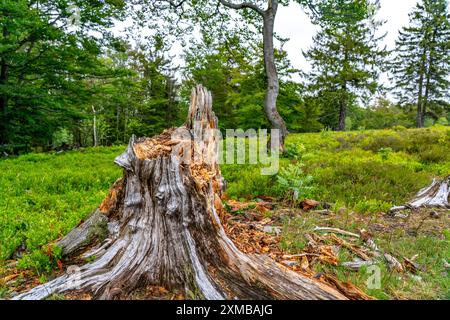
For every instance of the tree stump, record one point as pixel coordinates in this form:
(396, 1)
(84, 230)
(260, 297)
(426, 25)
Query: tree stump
(436, 195)
(162, 227)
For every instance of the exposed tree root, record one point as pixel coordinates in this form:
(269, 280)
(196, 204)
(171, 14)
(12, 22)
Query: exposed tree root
(162, 228)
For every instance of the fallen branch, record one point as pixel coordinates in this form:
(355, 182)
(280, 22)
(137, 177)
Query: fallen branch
(338, 231)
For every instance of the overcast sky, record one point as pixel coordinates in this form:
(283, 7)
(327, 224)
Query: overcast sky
(294, 24)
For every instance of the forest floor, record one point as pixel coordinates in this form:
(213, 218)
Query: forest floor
(319, 244)
(356, 178)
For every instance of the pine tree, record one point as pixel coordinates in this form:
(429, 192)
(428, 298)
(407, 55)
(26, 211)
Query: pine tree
(422, 63)
(46, 54)
(345, 57)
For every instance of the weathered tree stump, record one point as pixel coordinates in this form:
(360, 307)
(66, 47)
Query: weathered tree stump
(162, 227)
(436, 195)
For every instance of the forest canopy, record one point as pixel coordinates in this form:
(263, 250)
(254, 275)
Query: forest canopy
(69, 79)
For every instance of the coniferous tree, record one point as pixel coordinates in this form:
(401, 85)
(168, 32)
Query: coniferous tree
(345, 58)
(422, 63)
(47, 51)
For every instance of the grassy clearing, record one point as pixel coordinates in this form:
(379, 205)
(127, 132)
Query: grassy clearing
(361, 175)
(43, 196)
(368, 171)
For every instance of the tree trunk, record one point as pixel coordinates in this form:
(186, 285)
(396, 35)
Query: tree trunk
(343, 108)
(273, 86)
(342, 116)
(428, 79)
(3, 97)
(95, 127)
(162, 227)
(420, 114)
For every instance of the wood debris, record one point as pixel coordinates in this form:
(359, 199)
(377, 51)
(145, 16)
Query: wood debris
(353, 248)
(150, 148)
(435, 195)
(348, 289)
(309, 204)
(393, 263)
(335, 230)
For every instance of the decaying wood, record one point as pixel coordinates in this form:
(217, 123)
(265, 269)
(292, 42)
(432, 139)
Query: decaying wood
(163, 228)
(434, 196)
(355, 265)
(338, 231)
(393, 263)
(78, 238)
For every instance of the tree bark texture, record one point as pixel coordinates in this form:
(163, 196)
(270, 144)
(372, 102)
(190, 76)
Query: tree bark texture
(273, 85)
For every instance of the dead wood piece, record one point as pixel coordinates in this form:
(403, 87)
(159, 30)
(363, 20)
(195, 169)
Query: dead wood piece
(293, 256)
(393, 263)
(94, 227)
(309, 204)
(412, 266)
(359, 252)
(434, 196)
(335, 230)
(355, 265)
(347, 288)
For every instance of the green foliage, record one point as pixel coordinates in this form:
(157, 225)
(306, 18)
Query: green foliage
(47, 195)
(384, 153)
(234, 72)
(45, 63)
(246, 181)
(294, 183)
(384, 114)
(345, 59)
(61, 138)
(348, 123)
(421, 66)
(442, 121)
(368, 171)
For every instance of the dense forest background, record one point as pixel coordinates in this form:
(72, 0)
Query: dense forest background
(68, 81)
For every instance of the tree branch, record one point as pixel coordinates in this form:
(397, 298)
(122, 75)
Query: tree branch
(243, 5)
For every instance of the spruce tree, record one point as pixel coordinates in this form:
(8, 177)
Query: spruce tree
(345, 57)
(422, 65)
